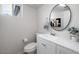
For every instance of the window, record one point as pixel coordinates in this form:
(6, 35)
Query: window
(6, 9)
(10, 9)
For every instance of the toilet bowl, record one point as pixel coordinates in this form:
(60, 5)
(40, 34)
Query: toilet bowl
(30, 48)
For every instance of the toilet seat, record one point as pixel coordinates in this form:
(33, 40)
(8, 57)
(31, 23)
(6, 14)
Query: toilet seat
(30, 47)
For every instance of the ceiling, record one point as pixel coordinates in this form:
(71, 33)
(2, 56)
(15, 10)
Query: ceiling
(35, 5)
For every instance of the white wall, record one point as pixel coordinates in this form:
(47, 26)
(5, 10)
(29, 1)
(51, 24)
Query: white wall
(44, 12)
(30, 19)
(13, 29)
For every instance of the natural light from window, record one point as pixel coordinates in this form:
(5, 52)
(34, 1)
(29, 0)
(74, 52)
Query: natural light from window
(6, 9)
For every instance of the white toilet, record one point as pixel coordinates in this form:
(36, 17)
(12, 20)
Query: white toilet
(29, 48)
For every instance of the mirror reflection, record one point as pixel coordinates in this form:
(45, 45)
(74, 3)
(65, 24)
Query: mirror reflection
(60, 17)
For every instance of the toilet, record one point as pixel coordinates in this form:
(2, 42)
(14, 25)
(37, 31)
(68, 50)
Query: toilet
(30, 48)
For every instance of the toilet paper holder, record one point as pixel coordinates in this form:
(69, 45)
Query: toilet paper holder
(25, 40)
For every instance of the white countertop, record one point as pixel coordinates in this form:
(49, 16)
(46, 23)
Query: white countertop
(61, 41)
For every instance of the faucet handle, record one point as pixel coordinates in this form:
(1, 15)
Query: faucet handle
(53, 34)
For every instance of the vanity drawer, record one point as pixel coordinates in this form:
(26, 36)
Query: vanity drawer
(45, 46)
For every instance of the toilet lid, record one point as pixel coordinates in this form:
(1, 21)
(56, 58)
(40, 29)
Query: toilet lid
(30, 46)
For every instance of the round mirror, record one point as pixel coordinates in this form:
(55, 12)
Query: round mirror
(60, 17)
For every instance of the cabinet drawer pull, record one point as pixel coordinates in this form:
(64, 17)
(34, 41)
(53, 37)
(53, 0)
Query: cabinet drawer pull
(43, 44)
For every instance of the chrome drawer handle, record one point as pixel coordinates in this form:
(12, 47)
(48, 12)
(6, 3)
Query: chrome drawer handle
(43, 44)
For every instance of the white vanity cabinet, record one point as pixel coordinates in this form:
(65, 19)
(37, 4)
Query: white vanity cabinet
(45, 47)
(63, 50)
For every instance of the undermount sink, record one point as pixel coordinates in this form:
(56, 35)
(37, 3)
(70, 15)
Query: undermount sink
(50, 36)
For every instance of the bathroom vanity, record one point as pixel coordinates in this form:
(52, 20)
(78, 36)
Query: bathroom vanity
(48, 44)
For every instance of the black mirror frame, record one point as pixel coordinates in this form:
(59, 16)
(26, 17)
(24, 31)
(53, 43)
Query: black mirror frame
(69, 19)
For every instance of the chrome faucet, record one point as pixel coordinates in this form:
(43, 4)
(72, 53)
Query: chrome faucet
(53, 34)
